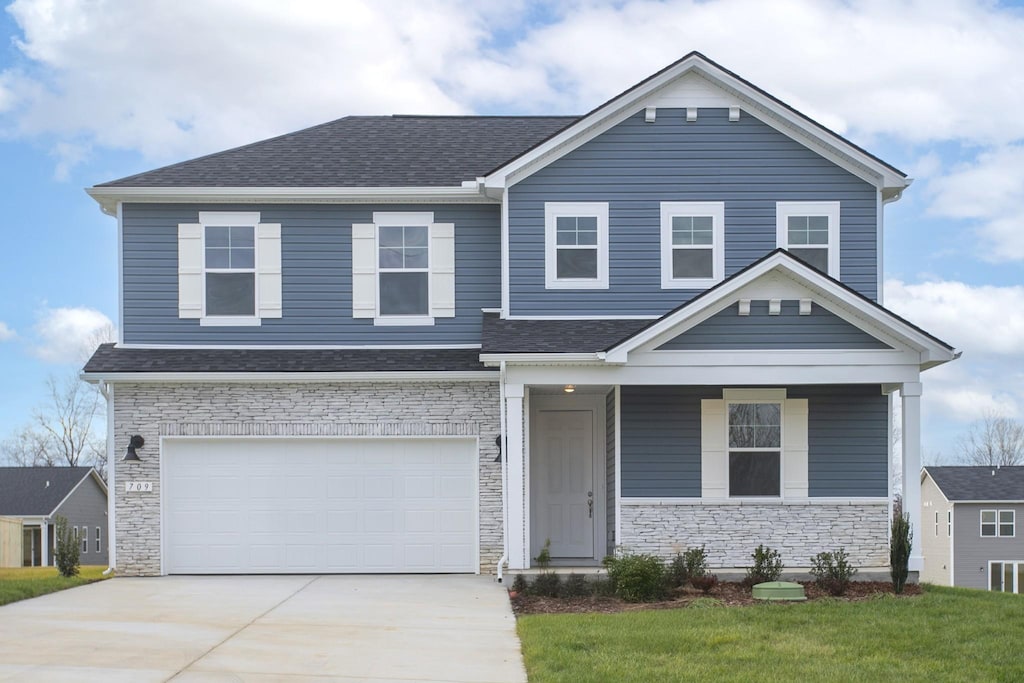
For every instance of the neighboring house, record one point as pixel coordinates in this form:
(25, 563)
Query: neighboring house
(432, 343)
(37, 495)
(969, 526)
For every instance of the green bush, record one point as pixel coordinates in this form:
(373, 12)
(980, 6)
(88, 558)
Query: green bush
(519, 584)
(688, 565)
(900, 542)
(833, 571)
(67, 548)
(636, 578)
(576, 586)
(767, 566)
(704, 583)
(546, 584)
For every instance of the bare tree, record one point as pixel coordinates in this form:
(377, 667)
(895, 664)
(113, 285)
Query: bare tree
(993, 440)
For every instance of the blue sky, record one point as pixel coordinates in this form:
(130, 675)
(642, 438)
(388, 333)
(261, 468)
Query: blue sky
(91, 91)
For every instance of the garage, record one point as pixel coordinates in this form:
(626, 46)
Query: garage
(297, 505)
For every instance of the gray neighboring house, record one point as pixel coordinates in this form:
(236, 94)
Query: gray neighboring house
(433, 343)
(38, 494)
(969, 521)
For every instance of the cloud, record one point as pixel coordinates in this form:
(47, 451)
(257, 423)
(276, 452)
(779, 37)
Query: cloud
(70, 335)
(6, 333)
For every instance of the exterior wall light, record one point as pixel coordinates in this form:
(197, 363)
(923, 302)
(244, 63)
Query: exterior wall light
(569, 388)
(135, 442)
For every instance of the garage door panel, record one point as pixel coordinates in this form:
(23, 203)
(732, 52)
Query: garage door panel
(356, 505)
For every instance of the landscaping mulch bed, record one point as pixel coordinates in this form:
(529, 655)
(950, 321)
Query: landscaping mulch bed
(725, 594)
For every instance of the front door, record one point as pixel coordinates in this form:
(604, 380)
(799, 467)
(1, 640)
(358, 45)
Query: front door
(562, 482)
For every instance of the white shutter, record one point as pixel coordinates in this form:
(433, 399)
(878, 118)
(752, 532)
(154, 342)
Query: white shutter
(713, 473)
(442, 270)
(268, 270)
(190, 270)
(794, 448)
(364, 270)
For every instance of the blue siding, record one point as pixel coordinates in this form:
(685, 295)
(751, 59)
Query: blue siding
(727, 329)
(316, 261)
(847, 440)
(637, 165)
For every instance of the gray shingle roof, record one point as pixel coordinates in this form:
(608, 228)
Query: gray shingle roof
(554, 336)
(979, 483)
(111, 359)
(36, 491)
(364, 151)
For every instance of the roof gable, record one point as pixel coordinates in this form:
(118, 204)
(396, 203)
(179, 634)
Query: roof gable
(969, 483)
(38, 491)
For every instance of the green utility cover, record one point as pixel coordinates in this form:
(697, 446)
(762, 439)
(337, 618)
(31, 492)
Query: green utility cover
(779, 590)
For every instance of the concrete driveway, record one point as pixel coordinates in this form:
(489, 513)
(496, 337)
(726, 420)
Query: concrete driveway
(265, 628)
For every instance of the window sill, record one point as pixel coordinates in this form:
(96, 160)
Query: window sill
(576, 284)
(230, 321)
(399, 321)
(695, 283)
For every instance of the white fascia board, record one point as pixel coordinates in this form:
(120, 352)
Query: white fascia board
(295, 377)
(766, 109)
(539, 358)
(302, 347)
(1017, 501)
(73, 489)
(107, 197)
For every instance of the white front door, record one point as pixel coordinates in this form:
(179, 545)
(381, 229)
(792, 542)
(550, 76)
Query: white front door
(562, 482)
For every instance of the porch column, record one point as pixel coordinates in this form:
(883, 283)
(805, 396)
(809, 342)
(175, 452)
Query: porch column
(44, 539)
(910, 395)
(515, 496)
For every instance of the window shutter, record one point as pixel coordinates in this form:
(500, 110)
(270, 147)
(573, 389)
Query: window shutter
(364, 270)
(713, 463)
(442, 270)
(268, 270)
(190, 270)
(794, 449)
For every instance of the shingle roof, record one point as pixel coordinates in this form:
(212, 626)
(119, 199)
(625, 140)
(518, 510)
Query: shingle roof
(979, 483)
(111, 359)
(554, 336)
(36, 491)
(364, 151)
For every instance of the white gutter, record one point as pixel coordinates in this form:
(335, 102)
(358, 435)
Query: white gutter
(412, 376)
(492, 359)
(503, 560)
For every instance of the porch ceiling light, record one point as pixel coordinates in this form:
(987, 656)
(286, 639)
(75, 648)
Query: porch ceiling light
(135, 442)
(569, 388)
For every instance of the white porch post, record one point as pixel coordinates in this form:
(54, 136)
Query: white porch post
(910, 394)
(515, 495)
(44, 539)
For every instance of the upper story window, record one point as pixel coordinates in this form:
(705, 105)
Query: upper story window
(755, 448)
(403, 269)
(229, 269)
(692, 244)
(810, 231)
(996, 523)
(576, 245)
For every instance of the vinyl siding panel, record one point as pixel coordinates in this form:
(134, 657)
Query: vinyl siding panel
(728, 330)
(972, 553)
(87, 506)
(935, 537)
(636, 165)
(316, 260)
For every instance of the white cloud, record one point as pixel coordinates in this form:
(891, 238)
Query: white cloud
(6, 333)
(70, 335)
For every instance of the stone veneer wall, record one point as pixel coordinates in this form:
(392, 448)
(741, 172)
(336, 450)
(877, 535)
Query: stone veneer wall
(730, 531)
(293, 409)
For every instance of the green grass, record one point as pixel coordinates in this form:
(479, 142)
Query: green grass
(947, 634)
(21, 583)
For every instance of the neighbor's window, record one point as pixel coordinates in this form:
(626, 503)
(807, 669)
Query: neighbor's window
(85, 539)
(755, 449)
(403, 267)
(692, 250)
(576, 245)
(1006, 577)
(230, 270)
(810, 231)
(949, 522)
(97, 539)
(997, 523)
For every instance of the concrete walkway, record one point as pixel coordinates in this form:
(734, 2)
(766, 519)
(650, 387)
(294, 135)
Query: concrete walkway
(265, 628)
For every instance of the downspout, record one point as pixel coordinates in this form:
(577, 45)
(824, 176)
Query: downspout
(107, 392)
(502, 447)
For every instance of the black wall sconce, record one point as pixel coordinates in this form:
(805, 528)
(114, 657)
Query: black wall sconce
(135, 442)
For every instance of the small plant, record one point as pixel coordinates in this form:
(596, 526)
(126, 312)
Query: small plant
(705, 603)
(686, 566)
(547, 585)
(543, 559)
(704, 583)
(575, 586)
(833, 571)
(767, 566)
(67, 549)
(900, 541)
(636, 578)
(602, 588)
(519, 585)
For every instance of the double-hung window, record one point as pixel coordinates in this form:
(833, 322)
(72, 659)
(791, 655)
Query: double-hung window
(403, 253)
(230, 270)
(810, 231)
(692, 244)
(99, 545)
(85, 539)
(576, 245)
(998, 523)
(755, 448)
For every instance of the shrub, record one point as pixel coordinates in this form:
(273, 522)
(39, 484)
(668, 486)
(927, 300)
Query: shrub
(833, 571)
(543, 559)
(767, 566)
(704, 583)
(546, 584)
(686, 566)
(519, 584)
(900, 542)
(67, 549)
(636, 578)
(575, 586)
(602, 588)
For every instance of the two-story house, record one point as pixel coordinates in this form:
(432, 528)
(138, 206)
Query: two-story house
(969, 521)
(432, 344)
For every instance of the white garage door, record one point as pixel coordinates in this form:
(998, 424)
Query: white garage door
(265, 506)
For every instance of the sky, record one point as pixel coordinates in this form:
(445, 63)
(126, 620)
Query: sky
(93, 90)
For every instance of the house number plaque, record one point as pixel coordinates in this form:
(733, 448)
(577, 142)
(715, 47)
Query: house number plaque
(141, 486)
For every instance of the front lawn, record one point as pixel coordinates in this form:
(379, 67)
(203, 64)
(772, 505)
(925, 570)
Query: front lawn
(20, 583)
(946, 634)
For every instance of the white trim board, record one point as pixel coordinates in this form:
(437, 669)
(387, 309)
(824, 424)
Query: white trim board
(297, 377)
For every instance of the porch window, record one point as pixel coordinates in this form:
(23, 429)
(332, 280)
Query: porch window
(755, 449)
(576, 245)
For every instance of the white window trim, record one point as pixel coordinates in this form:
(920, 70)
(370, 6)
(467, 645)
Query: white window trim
(716, 210)
(776, 396)
(552, 210)
(783, 210)
(99, 543)
(1017, 588)
(238, 219)
(391, 219)
(998, 514)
